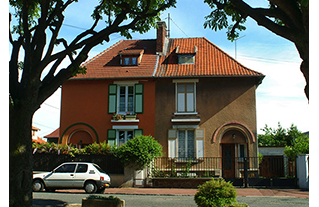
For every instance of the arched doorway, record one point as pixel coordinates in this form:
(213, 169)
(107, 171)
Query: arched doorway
(80, 138)
(233, 149)
(236, 141)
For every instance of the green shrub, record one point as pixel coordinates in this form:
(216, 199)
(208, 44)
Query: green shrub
(140, 151)
(94, 197)
(216, 192)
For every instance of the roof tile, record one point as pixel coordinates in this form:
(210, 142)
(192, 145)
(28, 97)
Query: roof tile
(210, 61)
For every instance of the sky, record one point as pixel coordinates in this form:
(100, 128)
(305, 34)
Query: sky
(280, 97)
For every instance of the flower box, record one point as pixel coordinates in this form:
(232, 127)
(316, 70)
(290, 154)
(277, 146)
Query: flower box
(117, 117)
(130, 117)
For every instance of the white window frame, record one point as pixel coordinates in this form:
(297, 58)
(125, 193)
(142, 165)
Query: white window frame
(185, 81)
(190, 56)
(126, 85)
(186, 143)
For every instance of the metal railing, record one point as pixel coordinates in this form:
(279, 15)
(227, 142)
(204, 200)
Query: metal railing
(234, 167)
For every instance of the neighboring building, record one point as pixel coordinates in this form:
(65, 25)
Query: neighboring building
(35, 137)
(53, 136)
(191, 96)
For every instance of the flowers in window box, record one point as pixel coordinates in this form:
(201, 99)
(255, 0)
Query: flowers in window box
(117, 116)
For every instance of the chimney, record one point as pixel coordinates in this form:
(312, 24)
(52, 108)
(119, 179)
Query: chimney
(161, 35)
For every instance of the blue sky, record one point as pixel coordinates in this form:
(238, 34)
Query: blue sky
(280, 98)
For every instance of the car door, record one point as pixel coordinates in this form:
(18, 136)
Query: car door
(62, 177)
(81, 174)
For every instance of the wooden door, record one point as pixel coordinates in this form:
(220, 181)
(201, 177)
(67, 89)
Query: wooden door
(228, 151)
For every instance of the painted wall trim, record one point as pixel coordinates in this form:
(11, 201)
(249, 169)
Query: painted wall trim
(234, 124)
(80, 123)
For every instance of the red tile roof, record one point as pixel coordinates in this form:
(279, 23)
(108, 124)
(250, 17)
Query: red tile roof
(53, 134)
(39, 140)
(210, 61)
(107, 63)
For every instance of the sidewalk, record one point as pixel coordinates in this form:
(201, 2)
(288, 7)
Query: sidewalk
(183, 191)
(191, 192)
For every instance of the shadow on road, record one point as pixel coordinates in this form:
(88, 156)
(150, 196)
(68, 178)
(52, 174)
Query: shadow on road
(47, 202)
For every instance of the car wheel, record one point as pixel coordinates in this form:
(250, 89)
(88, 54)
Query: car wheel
(37, 185)
(90, 187)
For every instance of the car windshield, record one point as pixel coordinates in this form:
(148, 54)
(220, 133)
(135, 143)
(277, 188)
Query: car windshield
(99, 169)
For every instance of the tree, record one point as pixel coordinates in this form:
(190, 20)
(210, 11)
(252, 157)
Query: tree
(281, 137)
(286, 18)
(36, 32)
(140, 151)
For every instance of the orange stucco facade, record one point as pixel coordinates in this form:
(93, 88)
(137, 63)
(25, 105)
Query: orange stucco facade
(85, 116)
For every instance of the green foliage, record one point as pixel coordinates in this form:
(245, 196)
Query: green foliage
(219, 18)
(140, 151)
(295, 141)
(301, 146)
(186, 169)
(279, 136)
(109, 198)
(216, 192)
(52, 148)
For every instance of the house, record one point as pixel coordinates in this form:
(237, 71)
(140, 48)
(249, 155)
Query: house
(35, 137)
(190, 95)
(53, 136)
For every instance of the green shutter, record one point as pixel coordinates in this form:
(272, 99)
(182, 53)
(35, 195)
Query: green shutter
(111, 137)
(139, 98)
(112, 98)
(138, 132)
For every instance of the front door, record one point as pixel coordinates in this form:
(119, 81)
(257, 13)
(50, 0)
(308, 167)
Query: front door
(228, 158)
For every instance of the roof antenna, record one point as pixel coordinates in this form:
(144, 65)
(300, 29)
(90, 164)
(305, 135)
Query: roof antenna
(169, 27)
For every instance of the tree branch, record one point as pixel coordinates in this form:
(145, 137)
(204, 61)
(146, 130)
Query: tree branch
(263, 20)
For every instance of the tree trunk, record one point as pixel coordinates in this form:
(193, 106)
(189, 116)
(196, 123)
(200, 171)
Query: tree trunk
(20, 155)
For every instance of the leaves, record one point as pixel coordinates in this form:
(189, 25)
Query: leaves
(295, 142)
(216, 192)
(140, 151)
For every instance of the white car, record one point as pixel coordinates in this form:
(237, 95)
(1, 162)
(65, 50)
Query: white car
(79, 175)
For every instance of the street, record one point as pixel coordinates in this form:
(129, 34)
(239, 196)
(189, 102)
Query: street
(44, 199)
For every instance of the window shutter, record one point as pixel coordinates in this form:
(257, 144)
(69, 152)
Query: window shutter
(172, 148)
(139, 98)
(111, 137)
(172, 136)
(138, 132)
(199, 148)
(112, 98)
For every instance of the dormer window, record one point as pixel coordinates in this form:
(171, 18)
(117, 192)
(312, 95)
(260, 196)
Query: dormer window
(186, 59)
(186, 55)
(131, 57)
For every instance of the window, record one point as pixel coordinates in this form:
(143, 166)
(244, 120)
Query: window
(126, 99)
(130, 61)
(186, 59)
(242, 152)
(185, 97)
(82, 168)
(134, 61)
(67, 168)
(123, 137)
(126, 61)
(186, 144)
(118, 137)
